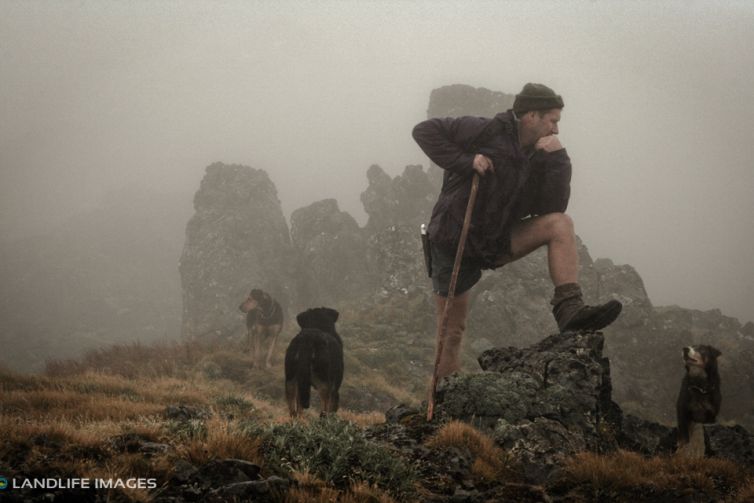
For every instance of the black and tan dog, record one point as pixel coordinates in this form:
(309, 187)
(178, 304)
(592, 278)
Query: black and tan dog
(699, 399)
(264, 321)
(314, 358)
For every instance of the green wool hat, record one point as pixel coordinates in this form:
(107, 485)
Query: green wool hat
(536, 97)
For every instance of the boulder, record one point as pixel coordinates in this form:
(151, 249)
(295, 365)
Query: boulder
(330, 253)
(458, 99)
(237, 240)
(397, 207)
(405, 199)
(542, 403)
(733, 443)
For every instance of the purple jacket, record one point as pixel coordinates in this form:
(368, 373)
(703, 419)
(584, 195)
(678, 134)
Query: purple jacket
(521, 185)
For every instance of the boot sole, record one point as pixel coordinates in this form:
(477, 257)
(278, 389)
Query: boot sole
(612, 309)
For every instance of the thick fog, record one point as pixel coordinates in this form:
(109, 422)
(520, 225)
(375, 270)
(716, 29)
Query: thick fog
(658, 119)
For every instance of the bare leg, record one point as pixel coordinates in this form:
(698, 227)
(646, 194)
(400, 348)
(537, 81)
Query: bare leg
(556, 231)
(450, 358)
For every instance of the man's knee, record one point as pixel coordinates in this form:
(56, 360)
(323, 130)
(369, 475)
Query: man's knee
(558, 225)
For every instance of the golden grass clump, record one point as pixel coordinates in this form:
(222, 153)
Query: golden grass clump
(624, 469)
(745, 494)
(363, 419)
(311, 489)
(135, 360)
(376, 381)
(16, 430)
(361, 492)
(223, 440)
(70, 404)
(490, 460)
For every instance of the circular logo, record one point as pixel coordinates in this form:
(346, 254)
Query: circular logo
(3, 483)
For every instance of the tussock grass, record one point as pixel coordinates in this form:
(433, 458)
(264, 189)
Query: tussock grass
(624, 469)
(311, 489)
(363, 419)
(377, 381)
(94, 396)
(489, 459)
(223, 440)
(72, 404)
(745, 494)
(15, 430)
(129, 360)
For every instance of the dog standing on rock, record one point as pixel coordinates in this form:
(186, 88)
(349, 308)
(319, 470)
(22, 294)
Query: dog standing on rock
(314, 358)
(264, 321)
(699, 399)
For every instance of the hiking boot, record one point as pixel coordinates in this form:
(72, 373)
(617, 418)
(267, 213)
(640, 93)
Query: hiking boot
(593, 317)
(572, 314)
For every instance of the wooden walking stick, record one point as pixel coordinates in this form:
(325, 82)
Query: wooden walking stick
(451, 292)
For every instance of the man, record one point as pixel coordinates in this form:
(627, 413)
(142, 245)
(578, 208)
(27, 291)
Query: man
(523, 193)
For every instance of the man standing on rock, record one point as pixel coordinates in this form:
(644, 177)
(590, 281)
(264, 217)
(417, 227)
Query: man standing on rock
(523, 193)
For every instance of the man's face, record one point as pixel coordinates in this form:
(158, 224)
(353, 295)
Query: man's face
(542, 125)
(547, 124)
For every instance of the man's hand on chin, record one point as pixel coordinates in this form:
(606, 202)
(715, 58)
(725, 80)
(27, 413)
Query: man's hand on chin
(549, 143)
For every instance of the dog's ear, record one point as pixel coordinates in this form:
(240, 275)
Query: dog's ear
(714, 352)
(304, 319)
(332, 314)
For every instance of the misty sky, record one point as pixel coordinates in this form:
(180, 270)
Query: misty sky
(659, 115)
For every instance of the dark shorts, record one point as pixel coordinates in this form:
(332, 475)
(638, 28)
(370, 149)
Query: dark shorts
(442, 269)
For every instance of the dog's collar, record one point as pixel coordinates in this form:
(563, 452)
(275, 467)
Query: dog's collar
(273, 308)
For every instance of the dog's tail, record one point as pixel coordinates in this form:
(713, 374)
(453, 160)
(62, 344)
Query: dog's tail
(298, 365)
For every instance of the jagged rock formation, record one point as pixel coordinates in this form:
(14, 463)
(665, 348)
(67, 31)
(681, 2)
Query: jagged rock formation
(330, 255)
(397, 207)
(544, 402)
(549, 401)
(406, 199)
(237, 239)
(459, 99)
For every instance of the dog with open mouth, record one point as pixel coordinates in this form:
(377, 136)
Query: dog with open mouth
(700, 397)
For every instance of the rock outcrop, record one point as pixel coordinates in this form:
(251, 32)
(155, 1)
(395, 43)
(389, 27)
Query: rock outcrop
(330, 249)
(397, 207)
(237, 240)
(459, 99)
(544, 403)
